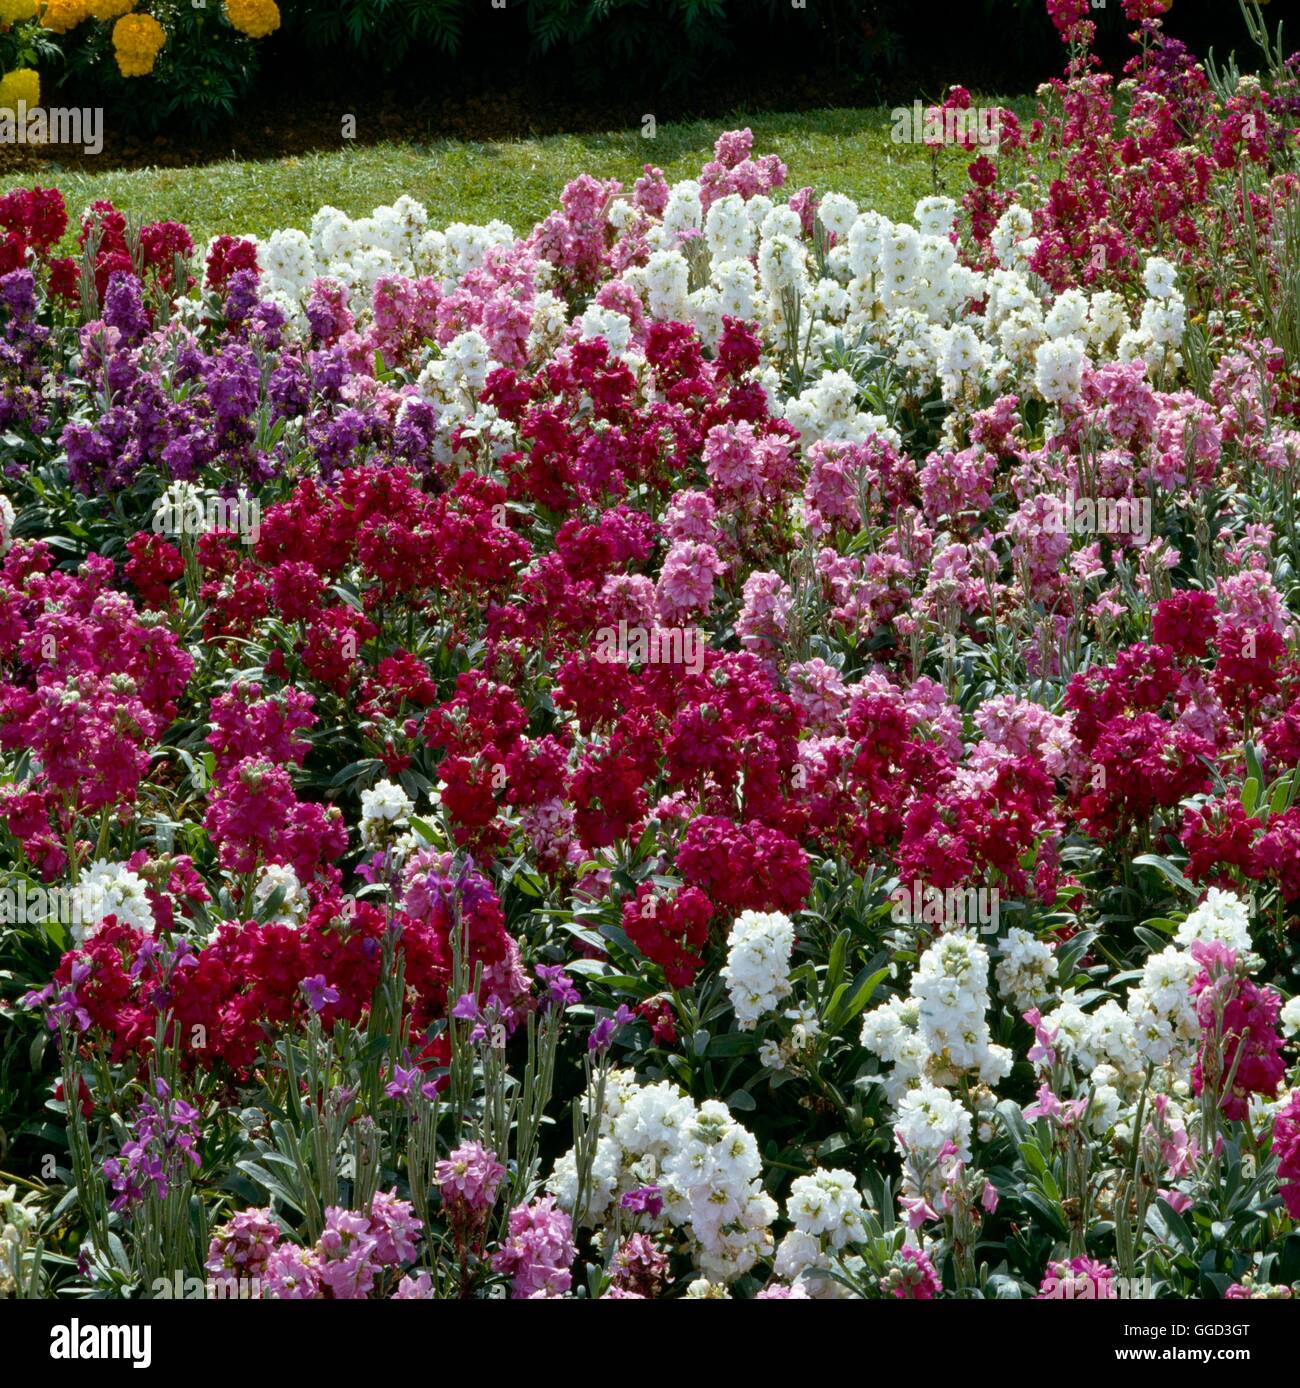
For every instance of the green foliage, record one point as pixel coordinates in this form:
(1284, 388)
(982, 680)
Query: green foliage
(28, 45)
(203, 71)
(598, 43)
(382, 31)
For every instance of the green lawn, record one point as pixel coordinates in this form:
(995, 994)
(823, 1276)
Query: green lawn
(518, 180)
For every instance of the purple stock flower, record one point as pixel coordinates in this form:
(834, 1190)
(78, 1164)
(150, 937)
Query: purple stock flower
(124, 307)
(560, 991)
(403, 1081)
(241, 295)
(539, 1250)
(18, 293)
(319, 994)
(163, 1138)
(646, 1200)
(469, 1179)
(602, 1034)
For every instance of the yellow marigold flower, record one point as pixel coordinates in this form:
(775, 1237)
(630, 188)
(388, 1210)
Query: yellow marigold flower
(137, 38)
(62, 15)
(22, 84)
(12, 11)
(256, 18)
(109, 9)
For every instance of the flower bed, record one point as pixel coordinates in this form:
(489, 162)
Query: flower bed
(725, 746)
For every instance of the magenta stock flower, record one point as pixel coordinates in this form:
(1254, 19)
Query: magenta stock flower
(469, 1179)
(538, 1251)
(242, 1247)
(911, 1276)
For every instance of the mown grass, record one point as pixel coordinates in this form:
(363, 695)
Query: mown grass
(518, 181)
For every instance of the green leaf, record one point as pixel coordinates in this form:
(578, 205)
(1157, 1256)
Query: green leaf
(425, 830)
(861, 990)
(1168, 871)
(835, 964)
(1282, 793)
(1254, 771)
(1052, 1214)
(1169, 1225)
(1033, 1158)
(271, 1183)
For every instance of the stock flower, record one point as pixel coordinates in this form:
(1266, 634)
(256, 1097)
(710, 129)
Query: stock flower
(669, 931)
(911, 1276)
(560, 991)
(603, 1033)
(469, 1179)
(1290, 1016)
(538, 1251)
(347, 1260)
(242, 1246)
(686, 581)
(384, 807)
(828, 1215)
(162, 1139)
(743, 867)
(639, 1268)
(1078, 1279)
(291, 1273)
(1026, 969)
(1241, 1048)
(111, 889)
(1286, 1149)
(758, 964)
(468, 454)
(318, 992)
(394, 1228)
(1221, 917)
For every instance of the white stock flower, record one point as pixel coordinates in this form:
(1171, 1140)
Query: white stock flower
(1026, 969)
(281, 877)
(1291, 1016)
(758, 964)
(384, 806)
(928, 1118)
(1058, 370)
(110, 889)
(1222, 916)
(1159, 277)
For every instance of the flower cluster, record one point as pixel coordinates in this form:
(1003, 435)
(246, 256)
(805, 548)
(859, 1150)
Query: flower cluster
(588, 760)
